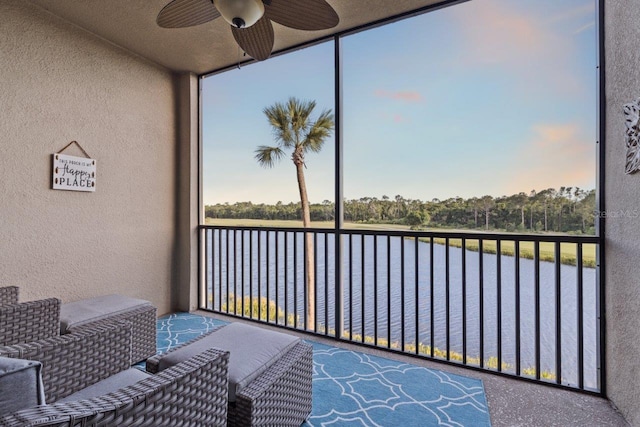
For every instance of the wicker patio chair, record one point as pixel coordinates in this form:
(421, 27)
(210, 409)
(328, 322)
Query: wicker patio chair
(279, 396)
(77, 360)
(34, 320)
(191, 393)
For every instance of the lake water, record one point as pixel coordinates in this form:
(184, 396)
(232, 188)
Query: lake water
(280, 264)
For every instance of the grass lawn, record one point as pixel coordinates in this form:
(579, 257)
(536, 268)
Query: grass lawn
(547, 249)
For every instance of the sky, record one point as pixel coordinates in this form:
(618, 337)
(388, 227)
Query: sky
(488, 97)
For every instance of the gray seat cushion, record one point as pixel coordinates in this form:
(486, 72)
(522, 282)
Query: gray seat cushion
(252, 351)
(108, 385)
(89, 310)
(20, 385)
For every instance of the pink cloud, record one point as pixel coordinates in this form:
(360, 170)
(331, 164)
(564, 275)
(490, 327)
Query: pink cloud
(501, 34)
(405, 96)
(397, 118)
(555, 155)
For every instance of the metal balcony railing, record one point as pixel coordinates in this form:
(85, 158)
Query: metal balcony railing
(526, 306)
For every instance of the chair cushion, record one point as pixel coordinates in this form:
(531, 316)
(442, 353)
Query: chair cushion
(108, 385)
(89, 310)
(252, 351)
(20, 385)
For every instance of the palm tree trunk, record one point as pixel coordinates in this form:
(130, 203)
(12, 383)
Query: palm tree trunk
(309, 258)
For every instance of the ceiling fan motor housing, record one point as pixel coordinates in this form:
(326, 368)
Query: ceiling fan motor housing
(240, 13)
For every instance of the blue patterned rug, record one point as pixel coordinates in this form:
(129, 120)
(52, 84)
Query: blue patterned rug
(356, 389)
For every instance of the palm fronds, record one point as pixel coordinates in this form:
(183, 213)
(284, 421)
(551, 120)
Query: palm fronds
(268, 156)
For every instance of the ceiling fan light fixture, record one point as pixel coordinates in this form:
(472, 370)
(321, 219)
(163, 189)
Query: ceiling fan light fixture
(240, 13)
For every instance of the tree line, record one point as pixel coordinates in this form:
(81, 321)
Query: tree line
(566, 210)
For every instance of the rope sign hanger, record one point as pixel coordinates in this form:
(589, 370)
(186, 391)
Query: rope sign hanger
(79, 146)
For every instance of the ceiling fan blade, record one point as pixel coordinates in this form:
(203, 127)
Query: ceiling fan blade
(187, 13)
(257, 40)
(302, 14)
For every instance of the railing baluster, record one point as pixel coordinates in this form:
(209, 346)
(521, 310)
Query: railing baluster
(402, 297)
(517, 304)
(268, 276)
(464, 300)
(286, 278)
(580, 315)
(416, 305)
(499, 301)
(481, 298)
(558, 287)
(220, 269)
(228, 268)
(295, 280)
(315, 281)
(251, 274)
(207, 239)
(536, 256)
(431, 298)
(276, 275)
(259, 275)
(350, 287)
(305, 281)
(362, 287)
(235, 272)
(388, 291)
(375, 290)
(447, 292)
(326, 286)
(242, 235)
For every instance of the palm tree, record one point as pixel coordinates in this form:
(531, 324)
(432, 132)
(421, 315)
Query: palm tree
(294, 130)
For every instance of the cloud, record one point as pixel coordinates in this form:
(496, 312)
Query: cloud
(584, 28)
(539, 49)
(499, 33)
(392, 117)
(404, 96)
(555, 155)
(398, 118)
(582, 11)
(581, 16)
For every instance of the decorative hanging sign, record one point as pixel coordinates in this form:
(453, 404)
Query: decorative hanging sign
(74, 173)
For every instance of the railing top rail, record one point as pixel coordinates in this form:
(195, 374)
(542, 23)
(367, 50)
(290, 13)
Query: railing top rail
(476, 235)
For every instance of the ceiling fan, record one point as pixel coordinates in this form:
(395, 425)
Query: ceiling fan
(250, 20)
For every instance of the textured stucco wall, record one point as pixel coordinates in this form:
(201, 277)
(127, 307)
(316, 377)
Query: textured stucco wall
(622, 55)
(59, 83)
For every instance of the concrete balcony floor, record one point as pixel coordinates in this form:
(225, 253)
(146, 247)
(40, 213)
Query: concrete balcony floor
(511, 402)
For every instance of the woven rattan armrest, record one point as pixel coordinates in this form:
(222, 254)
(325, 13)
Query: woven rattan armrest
(143, 322)
(191, 393)
(8, 295)
(74, 361)
(29, 321)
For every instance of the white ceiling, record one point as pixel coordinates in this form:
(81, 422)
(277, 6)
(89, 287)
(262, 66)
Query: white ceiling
(131, 24)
